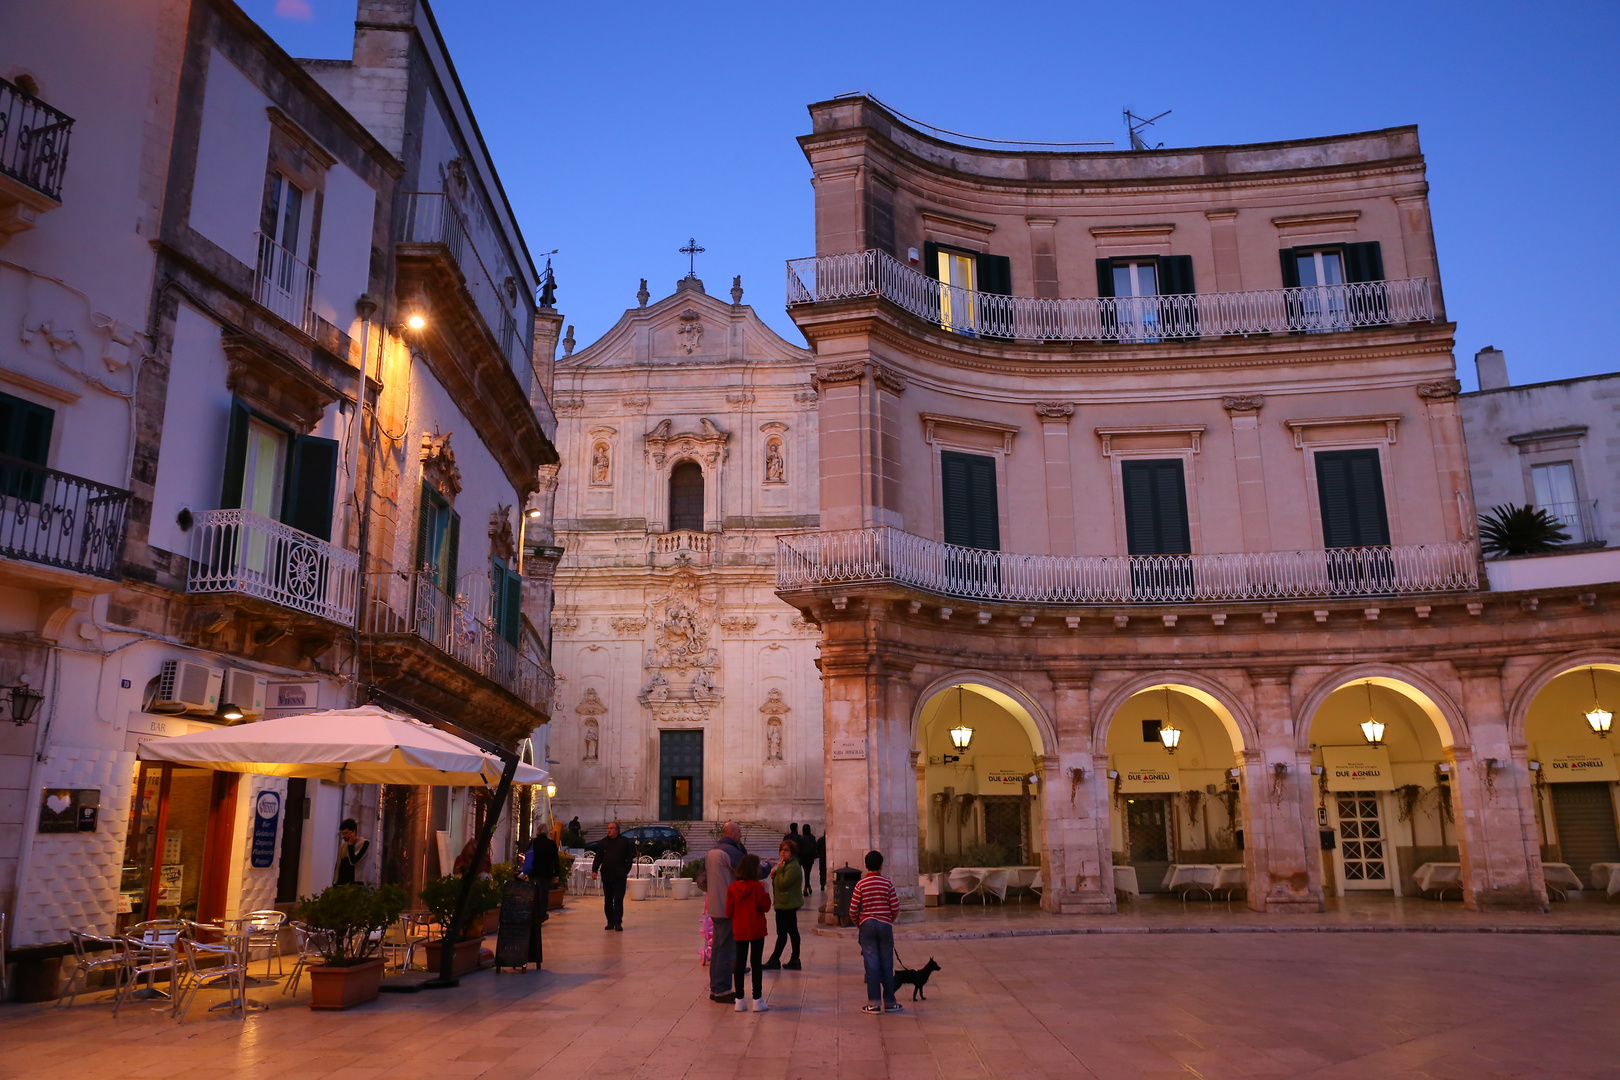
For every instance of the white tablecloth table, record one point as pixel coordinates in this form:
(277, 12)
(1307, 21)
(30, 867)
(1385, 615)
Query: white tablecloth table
(983, 881)
(1606, 876)
(1438, 877)
(1125, 881)
(1207, 878)
(1560, 877)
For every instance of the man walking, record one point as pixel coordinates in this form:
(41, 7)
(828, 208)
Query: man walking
(873, 907)
(720, 870)
(615, 855)
(807, 854)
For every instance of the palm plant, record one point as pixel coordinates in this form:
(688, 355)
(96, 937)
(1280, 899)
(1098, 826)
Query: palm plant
(1520, 530)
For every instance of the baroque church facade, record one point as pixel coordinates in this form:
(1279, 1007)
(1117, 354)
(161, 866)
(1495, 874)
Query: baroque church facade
(688, 690)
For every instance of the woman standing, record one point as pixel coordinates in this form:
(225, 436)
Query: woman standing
(787, 883)
(746, 905)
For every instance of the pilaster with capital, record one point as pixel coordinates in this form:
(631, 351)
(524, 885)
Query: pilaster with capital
(1078, 849)
(1282, 853)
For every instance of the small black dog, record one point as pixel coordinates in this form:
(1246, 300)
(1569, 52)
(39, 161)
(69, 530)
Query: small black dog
(916, 979)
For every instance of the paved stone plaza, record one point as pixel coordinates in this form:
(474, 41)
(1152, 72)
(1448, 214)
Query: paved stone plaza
(1124, 1005)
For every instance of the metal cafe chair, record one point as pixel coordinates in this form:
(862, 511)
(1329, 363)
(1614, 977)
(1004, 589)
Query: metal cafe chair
(109, 955)
(232, 972)
(310, 943)
(264, 932)
(150, 951)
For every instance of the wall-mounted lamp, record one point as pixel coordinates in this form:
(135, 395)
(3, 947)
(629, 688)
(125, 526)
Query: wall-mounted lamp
(229, 711)
(1316, 770)
(551, 789)
(24, 701)
(1234, 773)
(416, 320)
(1113, 774)
(532, 513)
(1535, 766)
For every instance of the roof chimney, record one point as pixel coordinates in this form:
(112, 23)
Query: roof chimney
(1491, 365)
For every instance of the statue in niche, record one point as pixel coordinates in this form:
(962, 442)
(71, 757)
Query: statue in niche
(775, 467)
(592, 740)
(773, 739)
(599, 463)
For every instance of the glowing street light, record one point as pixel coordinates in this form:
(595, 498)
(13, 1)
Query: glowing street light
(1169, 734)
(1598, 717)
(1372, 729)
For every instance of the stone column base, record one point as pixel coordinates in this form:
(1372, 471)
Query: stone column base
(1080, 903)
(1293, 905)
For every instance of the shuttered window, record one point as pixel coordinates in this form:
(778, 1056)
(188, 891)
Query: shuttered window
(308, 484)
(1356, 263)
(686, 497)
(1155, 508)
(506, 598)
(1350, 485)
(25, 429)
(438, 539)
(968, 499)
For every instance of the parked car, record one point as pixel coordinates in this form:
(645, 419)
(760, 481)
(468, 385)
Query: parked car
(651, 840)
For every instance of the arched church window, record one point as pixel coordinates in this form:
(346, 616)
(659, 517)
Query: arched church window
(686, 497)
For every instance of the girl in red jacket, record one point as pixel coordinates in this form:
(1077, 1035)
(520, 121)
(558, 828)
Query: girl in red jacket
(746, 905)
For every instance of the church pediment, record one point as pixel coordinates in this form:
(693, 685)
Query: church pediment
(687, 326)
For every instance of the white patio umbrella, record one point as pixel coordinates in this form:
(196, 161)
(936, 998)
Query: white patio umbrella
(368, 745)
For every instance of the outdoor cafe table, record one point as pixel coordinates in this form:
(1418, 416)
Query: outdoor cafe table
(1208, 878)
(1560, 877)
(981, 880)
(1125, 881)
(1438, 877)
(1606, 876)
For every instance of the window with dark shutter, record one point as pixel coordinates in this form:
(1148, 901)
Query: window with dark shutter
(686, 497)
(438, 539)
(311, 485)
(25, 434)
(236, 439)
(1364, 262)
(995, 274)
(1350, 485)
(1155, 508)
(968, 500)
(506, 600)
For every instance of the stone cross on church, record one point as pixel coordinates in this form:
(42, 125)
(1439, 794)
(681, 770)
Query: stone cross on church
(692, 251)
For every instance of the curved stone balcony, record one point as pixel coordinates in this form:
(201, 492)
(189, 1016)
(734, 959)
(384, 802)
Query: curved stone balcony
(888, 556)
(1132, 319)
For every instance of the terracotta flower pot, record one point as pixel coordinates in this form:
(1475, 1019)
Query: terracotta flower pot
(555, 900)
(492, 921)
(464, 960)
(333, 987)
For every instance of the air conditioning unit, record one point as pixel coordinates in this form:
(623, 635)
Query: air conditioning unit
(188, 685)
(246, 690)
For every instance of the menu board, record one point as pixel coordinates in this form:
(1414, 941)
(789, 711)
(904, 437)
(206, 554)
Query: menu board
(171, 880)
(516, 926)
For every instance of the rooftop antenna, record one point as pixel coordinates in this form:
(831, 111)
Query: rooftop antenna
(1136, 125)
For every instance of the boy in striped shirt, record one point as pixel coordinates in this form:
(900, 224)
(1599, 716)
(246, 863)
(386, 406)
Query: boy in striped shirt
(873, 907)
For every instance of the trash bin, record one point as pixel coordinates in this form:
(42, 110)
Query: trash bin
(844, 880)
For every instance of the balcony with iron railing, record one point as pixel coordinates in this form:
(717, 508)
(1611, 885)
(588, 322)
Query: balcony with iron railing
(238, 551)
(285, 285)
(462, 627)
(434, 225)
(1308, 310)
(33, 158)
(889, 556)
(53, 519)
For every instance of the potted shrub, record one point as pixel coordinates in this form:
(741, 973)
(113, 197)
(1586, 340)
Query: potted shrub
(439, 897)
(348, 917)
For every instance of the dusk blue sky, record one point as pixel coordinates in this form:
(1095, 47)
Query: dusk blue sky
(621, 129)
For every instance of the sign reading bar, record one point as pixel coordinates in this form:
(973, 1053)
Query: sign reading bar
(1358, 768)
(1145, 773)
(1569, 763)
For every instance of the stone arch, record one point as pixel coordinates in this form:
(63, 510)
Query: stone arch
(1519, 707)
(1219, 699)
(1019, 704)
(1438, 705)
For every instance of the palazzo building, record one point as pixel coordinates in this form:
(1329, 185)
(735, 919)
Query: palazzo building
(273, 401)
(1142, 474)
(688, 690)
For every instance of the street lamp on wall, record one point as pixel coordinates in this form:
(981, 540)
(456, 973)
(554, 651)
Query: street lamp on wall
(1598, 718)
(1372, 729)
(961, 734)
(24, 701)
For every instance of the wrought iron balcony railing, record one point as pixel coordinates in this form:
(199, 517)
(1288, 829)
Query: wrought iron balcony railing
(1311, 310)
(33, 141)
(55, 519)
(238, 551)
(285, 284)
(1579, 519)
(431, 218)
(885, 555)
(461, 626)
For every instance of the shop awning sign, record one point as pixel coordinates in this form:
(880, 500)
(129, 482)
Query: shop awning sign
(1146, 773)
(1358, 768)
(1572, 763)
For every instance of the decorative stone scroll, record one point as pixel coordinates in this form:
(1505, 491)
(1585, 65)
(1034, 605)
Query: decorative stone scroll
(709, 442)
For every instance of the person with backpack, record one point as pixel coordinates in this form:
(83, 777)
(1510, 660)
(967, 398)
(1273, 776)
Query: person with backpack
(787, 891)
(746, 905)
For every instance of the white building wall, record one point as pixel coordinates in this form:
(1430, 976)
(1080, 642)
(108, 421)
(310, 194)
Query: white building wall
(231, 155)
